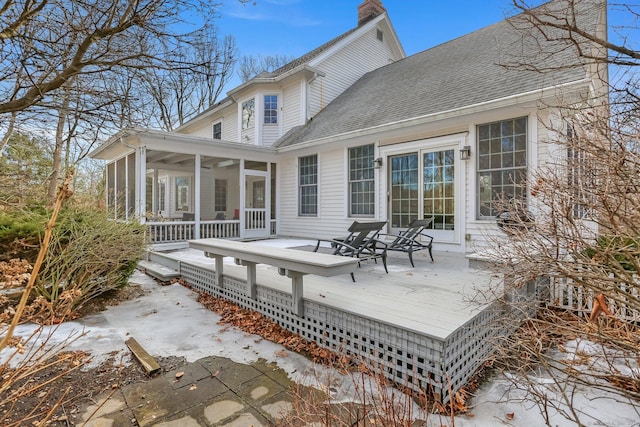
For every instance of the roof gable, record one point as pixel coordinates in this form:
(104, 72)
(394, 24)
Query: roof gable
(469, 70)
(304, 64)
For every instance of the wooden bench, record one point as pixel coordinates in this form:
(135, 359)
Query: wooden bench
(290, 262)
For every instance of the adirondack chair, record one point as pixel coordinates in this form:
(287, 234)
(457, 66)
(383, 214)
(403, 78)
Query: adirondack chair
(361, 243)
(407, 240)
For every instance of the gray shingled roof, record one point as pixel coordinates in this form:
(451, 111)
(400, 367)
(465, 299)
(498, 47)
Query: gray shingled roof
(463, 72)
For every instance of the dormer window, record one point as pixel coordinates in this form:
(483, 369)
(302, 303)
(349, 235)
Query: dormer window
(380, 35)
(248, 113)
(271, 109)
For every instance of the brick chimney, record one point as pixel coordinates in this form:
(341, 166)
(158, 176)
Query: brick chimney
(368, 10)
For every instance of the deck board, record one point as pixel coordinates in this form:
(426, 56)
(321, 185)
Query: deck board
(434, 299)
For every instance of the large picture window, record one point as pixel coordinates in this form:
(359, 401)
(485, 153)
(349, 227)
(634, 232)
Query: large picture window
(271, 109)
(308, 185)
(502, 164)
(361, 181)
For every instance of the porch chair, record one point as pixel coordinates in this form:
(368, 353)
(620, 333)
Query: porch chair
(361, 243)
(407, 240)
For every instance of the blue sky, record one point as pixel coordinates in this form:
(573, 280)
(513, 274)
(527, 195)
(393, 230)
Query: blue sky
(294, 27)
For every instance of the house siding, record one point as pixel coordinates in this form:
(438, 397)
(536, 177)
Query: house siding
(270, 134)
(331, 217)
(292, 107)
(230, 125)
(229, 119)
(345, 67)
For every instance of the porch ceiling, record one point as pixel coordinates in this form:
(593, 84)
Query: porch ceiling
(168, 160)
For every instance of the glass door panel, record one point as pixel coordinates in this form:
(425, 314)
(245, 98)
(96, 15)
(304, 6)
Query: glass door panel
(404, 190)
(438, 180)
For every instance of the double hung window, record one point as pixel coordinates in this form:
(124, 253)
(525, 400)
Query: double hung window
(308, 185)
(502, 165)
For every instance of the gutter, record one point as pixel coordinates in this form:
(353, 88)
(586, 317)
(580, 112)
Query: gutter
(260, 80)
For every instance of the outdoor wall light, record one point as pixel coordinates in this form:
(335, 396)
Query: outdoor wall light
(465, 152)
(378, 162)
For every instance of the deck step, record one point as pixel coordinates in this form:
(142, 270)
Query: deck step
(158, 271)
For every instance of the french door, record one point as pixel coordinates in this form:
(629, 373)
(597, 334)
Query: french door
(424, 184)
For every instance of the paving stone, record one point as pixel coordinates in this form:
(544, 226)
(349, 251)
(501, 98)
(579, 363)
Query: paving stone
(201, 391)
(278, 406)
(245, 420)
(215, 364)
(234, 376)
(186, 421)
(222, 409)
(153, 401)
(106, 405)
(213, 391)
(272, 370)
(259, 389)
(99, 422)
(193, 372)
(123, 417)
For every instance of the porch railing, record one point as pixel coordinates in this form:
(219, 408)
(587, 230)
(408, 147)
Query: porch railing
(180, 231)
(567, 294)
(219, 229)
(255, 219)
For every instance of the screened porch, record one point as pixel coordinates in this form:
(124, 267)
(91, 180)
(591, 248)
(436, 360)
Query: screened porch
(182, 196)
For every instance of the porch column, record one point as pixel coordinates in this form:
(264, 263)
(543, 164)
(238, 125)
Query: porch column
(127, 186)
(141, 184)
(196, 204)
(267, 199)
(154, 193)
(243, 191)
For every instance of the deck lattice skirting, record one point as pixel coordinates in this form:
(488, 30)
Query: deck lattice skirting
(408, 358)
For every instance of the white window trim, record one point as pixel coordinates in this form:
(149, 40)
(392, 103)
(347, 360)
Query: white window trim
(532, 160)
(278, 109)
(318, 189)
(347, 187)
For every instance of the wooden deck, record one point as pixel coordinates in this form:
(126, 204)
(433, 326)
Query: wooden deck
(424, 324)
(432, 298)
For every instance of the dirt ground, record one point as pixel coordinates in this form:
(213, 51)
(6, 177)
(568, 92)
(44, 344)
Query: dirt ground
(66, 383)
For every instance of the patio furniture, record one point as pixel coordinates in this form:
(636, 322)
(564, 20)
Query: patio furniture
(407, 240)
(361, 243)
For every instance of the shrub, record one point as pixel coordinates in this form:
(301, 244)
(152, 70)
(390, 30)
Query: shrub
(88, 256)
(20, 233)
(616, 252)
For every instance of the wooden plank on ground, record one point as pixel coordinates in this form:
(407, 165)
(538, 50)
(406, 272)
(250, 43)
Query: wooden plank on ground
(148, 363)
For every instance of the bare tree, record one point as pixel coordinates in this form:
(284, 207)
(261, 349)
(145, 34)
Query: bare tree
(250, 66)
(585, 242)
(76, 67)
(202, 67)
